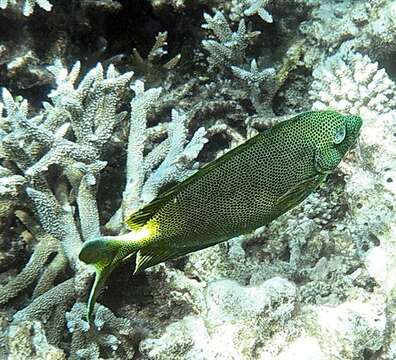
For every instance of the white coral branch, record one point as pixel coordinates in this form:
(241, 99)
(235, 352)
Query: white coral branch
(28, 5)
(175, 166)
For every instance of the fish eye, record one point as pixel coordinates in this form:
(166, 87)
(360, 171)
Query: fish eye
(340, 135)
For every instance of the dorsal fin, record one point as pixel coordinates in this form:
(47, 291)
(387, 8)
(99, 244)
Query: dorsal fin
(138, 219)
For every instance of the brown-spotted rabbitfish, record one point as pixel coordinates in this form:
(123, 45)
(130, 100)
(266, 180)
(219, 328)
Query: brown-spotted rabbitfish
(242, 190)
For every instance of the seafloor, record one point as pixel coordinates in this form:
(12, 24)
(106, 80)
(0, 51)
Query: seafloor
(104, 104)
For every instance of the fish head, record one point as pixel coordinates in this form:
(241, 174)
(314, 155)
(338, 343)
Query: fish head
(334, 134)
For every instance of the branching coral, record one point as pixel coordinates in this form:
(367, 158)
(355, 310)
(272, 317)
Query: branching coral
(260, 85)
(45, 247)
(10, 190)
(151, 63)
(28, 5)
(33, 146)
(230, 47)
(67, 140)
(168, 162)
(250, 7)
(90, 112)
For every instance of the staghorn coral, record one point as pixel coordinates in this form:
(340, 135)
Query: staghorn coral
(231, 46)
(262, 85)
(249, 8)
(28, 5)
(32, 271)
(10, 190)
(36, 145)
(168, 162)
(178, 4)
(229, 53)
(145, 66)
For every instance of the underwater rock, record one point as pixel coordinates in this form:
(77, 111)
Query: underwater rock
(27, 340)
(236, 321)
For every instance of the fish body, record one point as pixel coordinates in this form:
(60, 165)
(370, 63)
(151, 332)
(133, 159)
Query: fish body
(246, 188)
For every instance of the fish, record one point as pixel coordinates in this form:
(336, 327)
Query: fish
(246, 188)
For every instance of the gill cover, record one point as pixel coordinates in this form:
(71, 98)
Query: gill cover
(338, 135)
(326, 160)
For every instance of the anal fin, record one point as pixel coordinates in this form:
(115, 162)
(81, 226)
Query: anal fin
(150, 257)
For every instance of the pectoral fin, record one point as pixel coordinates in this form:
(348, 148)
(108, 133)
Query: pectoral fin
(298, 192)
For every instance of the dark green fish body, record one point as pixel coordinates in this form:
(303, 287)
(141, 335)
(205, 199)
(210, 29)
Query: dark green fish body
(244, 189)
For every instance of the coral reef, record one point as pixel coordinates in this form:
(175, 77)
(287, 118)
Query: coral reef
(161, 88)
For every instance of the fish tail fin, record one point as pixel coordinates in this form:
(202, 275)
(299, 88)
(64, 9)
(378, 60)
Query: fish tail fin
(104, 253)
